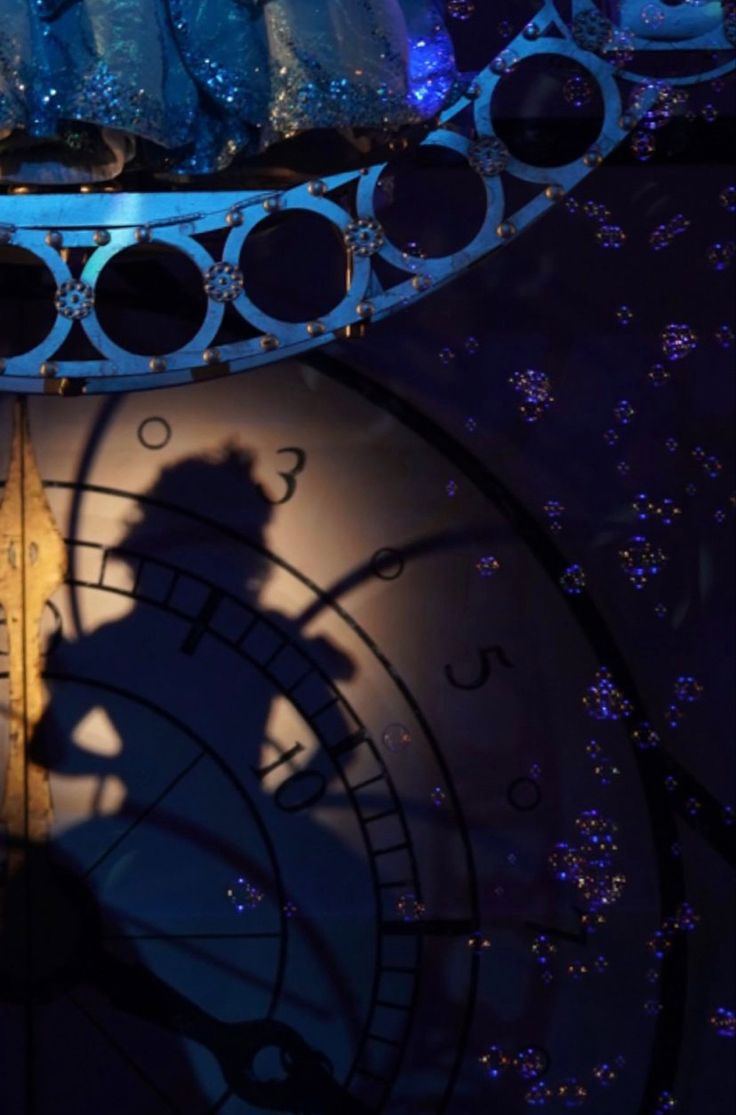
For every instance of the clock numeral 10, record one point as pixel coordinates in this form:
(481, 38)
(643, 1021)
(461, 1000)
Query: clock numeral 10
(304, 787)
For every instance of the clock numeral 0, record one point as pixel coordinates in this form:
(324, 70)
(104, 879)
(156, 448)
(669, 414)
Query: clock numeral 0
(311, 782)
(577, 937)
(388, 564)
(484, 672)
(301, 790)
(288, 476)
(523, 794)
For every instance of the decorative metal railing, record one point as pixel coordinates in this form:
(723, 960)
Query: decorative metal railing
(610, 52)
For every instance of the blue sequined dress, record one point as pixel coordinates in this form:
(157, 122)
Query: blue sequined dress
(193, 83)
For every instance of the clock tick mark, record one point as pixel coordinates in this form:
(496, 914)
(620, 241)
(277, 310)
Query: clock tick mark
(393, 848)
(201, 625)
(434, 927)
(368, 782)
(380, 816)
(382, 1040)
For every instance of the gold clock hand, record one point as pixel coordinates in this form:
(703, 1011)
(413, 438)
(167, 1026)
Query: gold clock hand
(33, 564)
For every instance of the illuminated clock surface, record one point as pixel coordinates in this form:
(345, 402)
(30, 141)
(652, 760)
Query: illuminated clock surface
(304, 754)
(377, 742)
(318, 719)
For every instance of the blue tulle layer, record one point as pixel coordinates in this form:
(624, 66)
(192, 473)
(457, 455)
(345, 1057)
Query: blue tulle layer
(83, 81)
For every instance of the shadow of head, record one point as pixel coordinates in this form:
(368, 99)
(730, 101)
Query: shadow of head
(206, 513)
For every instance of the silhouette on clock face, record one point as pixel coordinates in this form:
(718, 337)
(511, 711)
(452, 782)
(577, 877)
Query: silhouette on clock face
(78, 914)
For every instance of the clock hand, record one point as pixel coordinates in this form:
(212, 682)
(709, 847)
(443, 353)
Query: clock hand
(87, 459)
(307, 1087)
(33, 565)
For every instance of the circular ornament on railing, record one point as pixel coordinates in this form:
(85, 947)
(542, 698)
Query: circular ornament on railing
(223, 282)
(364, 237)
(729, 22)
(592, 31)
(488, 156)
(74, 299)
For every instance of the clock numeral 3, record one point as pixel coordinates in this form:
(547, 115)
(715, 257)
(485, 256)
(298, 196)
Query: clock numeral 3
(289, 476)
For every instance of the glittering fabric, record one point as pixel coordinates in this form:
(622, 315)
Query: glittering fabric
(199, 81)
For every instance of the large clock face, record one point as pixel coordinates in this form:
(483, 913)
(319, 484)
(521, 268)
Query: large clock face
(309, 754)
(336, 787)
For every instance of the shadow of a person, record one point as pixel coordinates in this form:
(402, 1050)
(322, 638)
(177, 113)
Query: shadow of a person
(79, 918)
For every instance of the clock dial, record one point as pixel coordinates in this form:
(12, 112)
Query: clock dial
(332, 784)
(309, 756)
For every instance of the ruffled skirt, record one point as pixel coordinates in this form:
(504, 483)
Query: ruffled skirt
(194, 83)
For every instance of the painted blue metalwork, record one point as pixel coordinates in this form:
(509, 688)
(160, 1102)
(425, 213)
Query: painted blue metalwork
(106, 224)
(655, 25)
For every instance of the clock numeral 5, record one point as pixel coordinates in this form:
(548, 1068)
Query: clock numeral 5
(484, 671)
(577, 937)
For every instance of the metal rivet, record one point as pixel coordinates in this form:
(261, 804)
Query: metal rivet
(68, 386)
